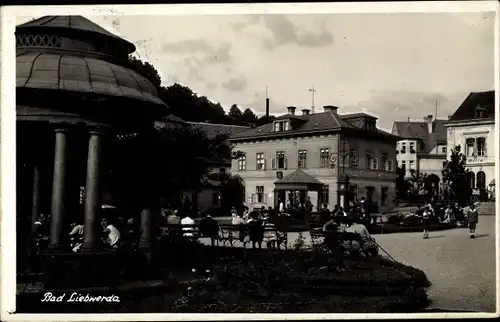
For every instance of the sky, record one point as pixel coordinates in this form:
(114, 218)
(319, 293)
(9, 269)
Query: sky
(393, 66)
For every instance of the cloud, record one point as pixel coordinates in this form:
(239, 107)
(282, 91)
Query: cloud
(235, 84)
(211, 54)
(284, 31)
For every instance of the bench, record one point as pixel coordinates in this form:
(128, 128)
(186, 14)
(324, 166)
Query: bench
(188, 231)
(230, 234)
(327, 242)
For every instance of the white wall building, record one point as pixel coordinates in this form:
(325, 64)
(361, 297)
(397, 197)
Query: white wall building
(472, 127)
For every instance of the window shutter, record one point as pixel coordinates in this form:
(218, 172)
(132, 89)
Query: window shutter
(264, 164)
(375, 163)
(284, 163)
(254, 197)
(264, 198)
(273, 163)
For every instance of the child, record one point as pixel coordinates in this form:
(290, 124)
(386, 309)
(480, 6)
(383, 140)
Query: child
(472, 218)
(426, 216)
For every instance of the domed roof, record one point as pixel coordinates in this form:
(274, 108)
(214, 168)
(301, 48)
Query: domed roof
(72, 23)
(82, 74)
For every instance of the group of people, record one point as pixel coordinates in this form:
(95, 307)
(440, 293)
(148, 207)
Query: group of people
(110, 235)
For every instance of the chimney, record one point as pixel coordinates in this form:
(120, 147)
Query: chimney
(429, 123)
(306, 111)
(330, 108)
(291, 110)
(267, 108)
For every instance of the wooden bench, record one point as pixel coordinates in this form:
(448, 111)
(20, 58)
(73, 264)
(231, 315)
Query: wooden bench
(189, 231)
(230, 234)
(279, 240)
(326, 242)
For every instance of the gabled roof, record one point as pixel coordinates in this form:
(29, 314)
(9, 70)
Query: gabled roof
(467, 110)
(420, 131)
(212, 130)
(298, 177)
(312, 123)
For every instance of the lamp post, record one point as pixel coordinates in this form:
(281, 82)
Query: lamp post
(342, 179)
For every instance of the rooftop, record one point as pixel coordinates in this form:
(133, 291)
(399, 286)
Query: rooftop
(467, 110)
(309, 124)
(420, 131)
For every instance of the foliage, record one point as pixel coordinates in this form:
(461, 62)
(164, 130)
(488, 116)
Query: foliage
(175, 157)
(233, 192)
(144, 69)
(299, 244)
(401, 184)
(455, 178)
(423, 182)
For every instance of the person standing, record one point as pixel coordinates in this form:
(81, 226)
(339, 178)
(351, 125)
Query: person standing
(472, 218)
(426, 218)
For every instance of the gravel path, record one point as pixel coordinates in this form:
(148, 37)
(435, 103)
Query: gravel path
(461, 270)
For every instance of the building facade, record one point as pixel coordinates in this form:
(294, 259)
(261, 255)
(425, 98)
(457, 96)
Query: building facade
(323, 146)
(422, 146)
(472, 127)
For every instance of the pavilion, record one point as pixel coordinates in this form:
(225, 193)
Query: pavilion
(74, 93)
(298, 184)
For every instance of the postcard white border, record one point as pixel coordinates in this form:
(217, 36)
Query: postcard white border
(8, 123)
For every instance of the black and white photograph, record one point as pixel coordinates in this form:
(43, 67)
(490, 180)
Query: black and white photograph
(302, 159)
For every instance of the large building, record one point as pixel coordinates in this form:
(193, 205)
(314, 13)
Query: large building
(472, 127)
(305, 155)
(422, 146)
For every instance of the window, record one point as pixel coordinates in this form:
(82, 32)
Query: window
(82, 194)
(280, 158)
(469, 143)
(215, 199)
(443, 149)
(403, 147)
(479, 111)
(324, 157)
(390, 165)
(260, 161)
(323, 195)
(280, 126)
(242, 163)
(403, 165)
(260, 194)
(412, 147)
(481, 146)
(353, 157)
(302, 159)
(369, 159)
(385, 161)
(412, 165)
(481, 180)
(375, 164)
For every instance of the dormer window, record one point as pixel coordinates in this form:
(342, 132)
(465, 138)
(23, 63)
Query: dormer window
(479, 111)
(280, 126)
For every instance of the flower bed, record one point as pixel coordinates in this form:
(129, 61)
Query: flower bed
(292, 282)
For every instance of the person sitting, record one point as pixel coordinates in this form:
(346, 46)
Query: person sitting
(173, 217)
(187, 221)
(459, 214)
(255, 229)
(367, 244)
(448, 214)
(76, 235)
(324, 213)
(209, 228)
(113, 234)
(41, 228)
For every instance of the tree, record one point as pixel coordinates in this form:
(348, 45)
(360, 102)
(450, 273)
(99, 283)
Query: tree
(144, 69)
(401, 184)
(177, 158)
(423, 183)
(235, 114)
(455, 177)
(248, 117)
(233, 192)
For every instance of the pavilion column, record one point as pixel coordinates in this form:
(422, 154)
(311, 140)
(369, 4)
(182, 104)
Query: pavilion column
(59, 188)
(35, 201)
(93, 193)
(147, 218)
